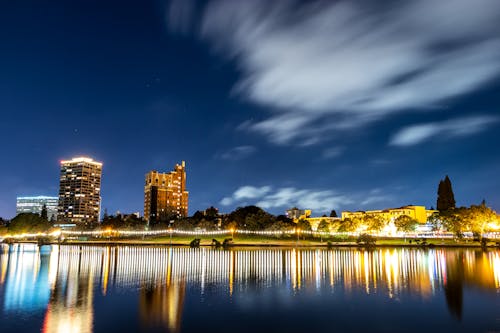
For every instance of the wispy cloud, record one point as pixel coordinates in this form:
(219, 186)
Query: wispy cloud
(319, 200)
(246, 192)
(325, 65)
(267, 198)
(238, 153)
(375, 196)
(332, 152)
(416, 134)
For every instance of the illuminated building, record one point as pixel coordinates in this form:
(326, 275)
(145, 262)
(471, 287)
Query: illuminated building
(418, 213)
(80, 191)
(34, 205)
(165, 194)
(297, 214)
(305, 214)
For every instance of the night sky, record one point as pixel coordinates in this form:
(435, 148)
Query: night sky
(346, 105)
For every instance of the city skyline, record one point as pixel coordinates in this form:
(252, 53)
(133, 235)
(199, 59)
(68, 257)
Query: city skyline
(166, 183)
(143, 85)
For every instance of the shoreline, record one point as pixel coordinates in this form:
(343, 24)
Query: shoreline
(261, 245)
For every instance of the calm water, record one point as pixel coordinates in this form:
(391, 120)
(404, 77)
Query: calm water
(161, 289)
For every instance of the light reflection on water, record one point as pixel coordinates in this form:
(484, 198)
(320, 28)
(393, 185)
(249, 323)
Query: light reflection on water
(64, 282)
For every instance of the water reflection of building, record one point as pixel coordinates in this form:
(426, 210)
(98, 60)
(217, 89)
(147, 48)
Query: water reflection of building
(70, 307)
(25, 274)
(162, 305)
(70, 275)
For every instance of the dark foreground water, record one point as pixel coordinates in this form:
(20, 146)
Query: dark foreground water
(160, 289)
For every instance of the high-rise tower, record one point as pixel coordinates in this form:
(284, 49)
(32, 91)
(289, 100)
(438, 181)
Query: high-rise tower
(165, 194)
(80, 191)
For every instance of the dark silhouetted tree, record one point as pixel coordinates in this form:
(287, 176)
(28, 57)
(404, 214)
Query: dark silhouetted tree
(333, 213)
(211, 213)
(238, 217)
(28, 223)
(446, 198)
(43, 213)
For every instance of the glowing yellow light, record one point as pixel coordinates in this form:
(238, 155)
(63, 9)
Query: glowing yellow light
(56, 233)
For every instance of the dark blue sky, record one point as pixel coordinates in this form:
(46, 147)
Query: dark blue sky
(341, 105)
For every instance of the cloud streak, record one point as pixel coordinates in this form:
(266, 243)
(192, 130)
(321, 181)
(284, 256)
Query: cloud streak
(320, 201)
(416, 134)
(238, 153)
(323, 66)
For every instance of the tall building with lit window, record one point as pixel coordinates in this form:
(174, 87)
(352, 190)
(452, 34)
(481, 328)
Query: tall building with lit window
(35, 204)
(165, 194)
(80, 191)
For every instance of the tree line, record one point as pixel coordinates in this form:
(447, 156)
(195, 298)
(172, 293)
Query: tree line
(476, 218)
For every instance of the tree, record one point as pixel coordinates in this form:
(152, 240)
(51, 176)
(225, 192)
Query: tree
(324, 226)
(476, 218)
(304, 225)
(238, 217)
(211, 213)
(446, 198)
(374, 223)
(454, 220)
(285, 219)
(186, 223)
(28, 223)
(333, 213)
(43, 213)
(404, 223)
(366, 240)
(198, 215)
(258, 221)
(436, 221)
(350, 225)
(281, 226)
(125, 221)
(206, 225)
(480, 218)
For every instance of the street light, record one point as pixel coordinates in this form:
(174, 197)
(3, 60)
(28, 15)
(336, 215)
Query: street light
(170, 230)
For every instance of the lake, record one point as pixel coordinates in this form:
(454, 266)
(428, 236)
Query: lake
(162, 289)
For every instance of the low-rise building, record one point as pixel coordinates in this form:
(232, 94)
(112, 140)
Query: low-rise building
(305, 214)
(297, 214)
(418, 213)
(34, 204)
